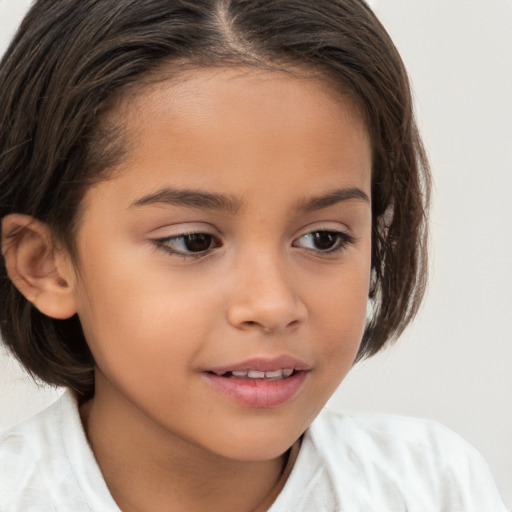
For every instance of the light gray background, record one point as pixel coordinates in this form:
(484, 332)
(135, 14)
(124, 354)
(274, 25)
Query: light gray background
(455, 363)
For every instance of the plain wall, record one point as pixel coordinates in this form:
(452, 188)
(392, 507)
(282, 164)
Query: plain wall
(455, 363)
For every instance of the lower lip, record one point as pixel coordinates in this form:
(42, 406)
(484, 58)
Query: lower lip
(261, 393)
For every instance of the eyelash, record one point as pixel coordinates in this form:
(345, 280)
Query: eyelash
(343, 240)
(163, 243)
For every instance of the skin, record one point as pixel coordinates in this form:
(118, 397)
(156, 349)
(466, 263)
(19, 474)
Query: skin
(154, 320)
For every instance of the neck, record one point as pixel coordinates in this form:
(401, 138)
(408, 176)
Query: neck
(151, 470)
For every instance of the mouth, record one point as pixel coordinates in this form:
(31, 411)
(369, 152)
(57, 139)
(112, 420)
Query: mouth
(281, 366)
(273, 375)
(260, 383)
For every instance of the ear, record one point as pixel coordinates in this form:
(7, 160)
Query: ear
(40, 271)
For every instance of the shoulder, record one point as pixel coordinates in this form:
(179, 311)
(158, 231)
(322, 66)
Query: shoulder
(413, 463)
(32, 457)
(29, 441)
(396, 441)
(391, 435)
(46, 463)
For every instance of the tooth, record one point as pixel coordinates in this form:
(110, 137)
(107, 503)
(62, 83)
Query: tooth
(253, 374)
(239, 374)
(287, 372)
(274, 374)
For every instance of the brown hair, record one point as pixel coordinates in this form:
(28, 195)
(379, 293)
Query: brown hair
(71, 58)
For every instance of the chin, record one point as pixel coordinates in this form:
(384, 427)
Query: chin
(262, 445)
(259, 452)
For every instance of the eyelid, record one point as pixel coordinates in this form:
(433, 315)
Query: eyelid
(331, 226)
(183, 229)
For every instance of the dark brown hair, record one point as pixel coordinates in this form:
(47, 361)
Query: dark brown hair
(70, 59)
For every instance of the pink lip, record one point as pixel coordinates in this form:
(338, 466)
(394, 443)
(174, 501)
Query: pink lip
(262, 364)
(260, 393)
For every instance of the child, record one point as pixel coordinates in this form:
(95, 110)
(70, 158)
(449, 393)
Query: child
(199, 202)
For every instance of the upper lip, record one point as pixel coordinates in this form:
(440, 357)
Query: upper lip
(263, 364)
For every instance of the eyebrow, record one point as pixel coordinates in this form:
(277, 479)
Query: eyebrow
(190, 198)
(332, 198)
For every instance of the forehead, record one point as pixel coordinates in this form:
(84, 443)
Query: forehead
(240, 128)
(203, 95)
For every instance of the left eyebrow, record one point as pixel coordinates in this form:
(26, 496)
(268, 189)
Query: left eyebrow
(332, 198)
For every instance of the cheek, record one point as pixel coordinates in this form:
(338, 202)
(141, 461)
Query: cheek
(141, 316)
(342, 313)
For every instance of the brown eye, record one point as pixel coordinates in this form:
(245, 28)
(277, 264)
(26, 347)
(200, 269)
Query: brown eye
(324, 241)
(198, 242)
(191, 244)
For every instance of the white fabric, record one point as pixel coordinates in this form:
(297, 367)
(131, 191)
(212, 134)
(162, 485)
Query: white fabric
(359, 463)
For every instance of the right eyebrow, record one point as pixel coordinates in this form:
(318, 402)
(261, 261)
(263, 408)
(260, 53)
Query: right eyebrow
(190, 198)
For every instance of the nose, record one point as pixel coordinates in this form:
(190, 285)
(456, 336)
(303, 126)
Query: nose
(264, 296)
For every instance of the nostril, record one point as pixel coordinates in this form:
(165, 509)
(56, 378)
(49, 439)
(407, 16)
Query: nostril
(267, 328)
(250, 324)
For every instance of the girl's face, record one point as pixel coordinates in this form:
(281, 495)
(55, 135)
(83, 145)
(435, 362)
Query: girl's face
(231, 248)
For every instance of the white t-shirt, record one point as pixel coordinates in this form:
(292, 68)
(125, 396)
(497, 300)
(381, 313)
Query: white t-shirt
(352, 463)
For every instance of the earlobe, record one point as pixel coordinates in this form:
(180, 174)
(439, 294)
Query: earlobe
(36, 267)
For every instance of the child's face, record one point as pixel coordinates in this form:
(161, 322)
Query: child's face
(267, 176)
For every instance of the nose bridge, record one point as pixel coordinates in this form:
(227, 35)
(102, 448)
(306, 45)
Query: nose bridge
(264, 293)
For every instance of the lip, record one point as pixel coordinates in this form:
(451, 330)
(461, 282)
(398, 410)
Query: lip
(262, 364)
(259, 393)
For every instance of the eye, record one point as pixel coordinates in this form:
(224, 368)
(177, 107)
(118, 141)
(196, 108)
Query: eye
(189, 244)
(324, 241)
